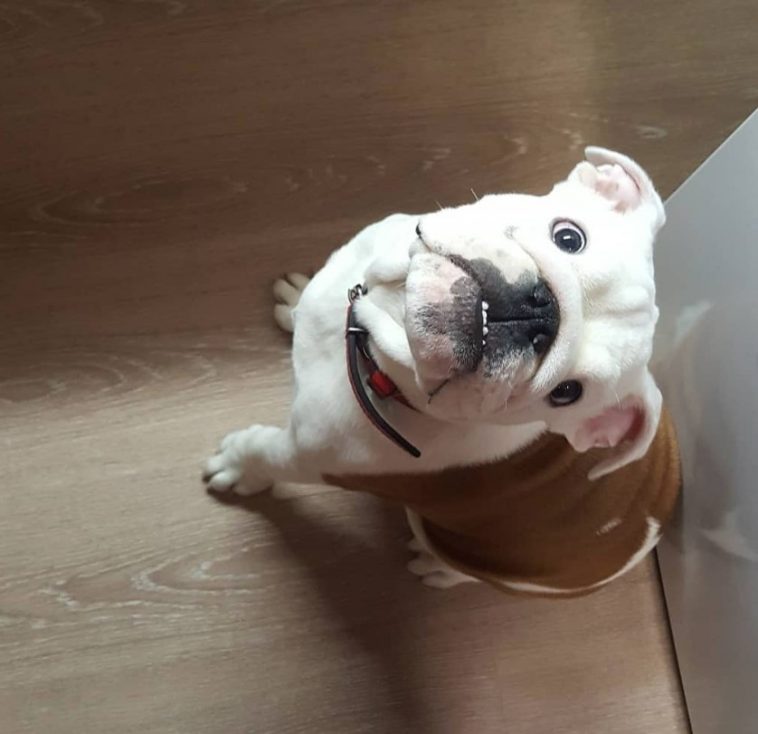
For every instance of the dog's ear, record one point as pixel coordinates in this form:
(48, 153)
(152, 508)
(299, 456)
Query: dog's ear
(627, 429)
(620, 180)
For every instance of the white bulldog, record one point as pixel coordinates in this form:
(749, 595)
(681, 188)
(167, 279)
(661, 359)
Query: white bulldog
(497, 321)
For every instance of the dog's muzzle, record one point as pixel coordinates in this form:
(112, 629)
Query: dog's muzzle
(464, 313)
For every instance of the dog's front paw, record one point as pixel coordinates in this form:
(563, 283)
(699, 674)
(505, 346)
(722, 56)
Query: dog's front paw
(287, 292)
(435, 573)
(232, 467)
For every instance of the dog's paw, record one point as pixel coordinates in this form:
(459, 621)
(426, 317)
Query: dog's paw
(287, 292)
(434, 572)
(230, 468)
(415, 545)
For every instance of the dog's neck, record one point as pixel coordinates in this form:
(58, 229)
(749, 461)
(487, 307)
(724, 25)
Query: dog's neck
(403, 377)
(391, 300)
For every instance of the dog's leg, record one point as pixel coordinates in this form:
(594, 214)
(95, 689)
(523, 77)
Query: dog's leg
(435, 573)
(432, 570)
(252, 460)
(287, 292)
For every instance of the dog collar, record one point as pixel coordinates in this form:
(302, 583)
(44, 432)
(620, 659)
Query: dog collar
(356, 338)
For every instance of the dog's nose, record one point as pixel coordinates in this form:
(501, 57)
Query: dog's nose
(525, 316)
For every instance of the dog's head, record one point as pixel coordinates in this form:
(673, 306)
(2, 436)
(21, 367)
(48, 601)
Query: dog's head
(542, 308)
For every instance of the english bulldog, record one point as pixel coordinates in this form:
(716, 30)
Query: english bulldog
(486, 366)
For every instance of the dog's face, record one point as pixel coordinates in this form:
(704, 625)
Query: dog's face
(542, 308)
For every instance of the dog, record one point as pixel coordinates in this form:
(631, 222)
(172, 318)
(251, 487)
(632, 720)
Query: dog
(505, 344)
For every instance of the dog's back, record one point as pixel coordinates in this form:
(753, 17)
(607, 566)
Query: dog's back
(533, 523)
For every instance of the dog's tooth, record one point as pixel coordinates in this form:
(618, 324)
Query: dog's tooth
(484, 317)
(485, 331)
(485, 305)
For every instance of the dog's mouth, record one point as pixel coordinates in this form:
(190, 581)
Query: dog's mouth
(463, 317)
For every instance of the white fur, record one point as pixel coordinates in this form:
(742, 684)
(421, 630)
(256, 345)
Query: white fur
(607, 301)
(433, 571)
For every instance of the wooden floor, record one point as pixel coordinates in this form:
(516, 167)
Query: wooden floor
(162, 161)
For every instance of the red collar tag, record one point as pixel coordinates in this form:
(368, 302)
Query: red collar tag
(382, 385)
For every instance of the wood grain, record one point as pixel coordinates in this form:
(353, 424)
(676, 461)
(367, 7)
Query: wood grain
(162, 161)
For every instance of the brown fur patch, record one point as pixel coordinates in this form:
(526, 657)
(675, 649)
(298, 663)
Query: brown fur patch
(535, 517)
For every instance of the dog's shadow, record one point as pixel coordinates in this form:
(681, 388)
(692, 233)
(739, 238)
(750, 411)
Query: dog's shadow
(359, 575)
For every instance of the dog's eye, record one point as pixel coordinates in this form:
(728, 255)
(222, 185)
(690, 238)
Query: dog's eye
(566, 393)
(568, 236)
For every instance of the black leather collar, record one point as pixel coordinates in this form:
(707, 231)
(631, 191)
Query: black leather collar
(381, 385)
